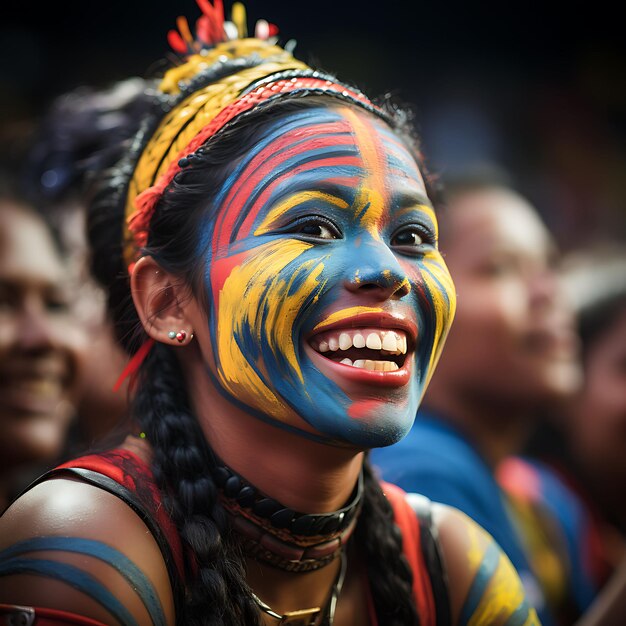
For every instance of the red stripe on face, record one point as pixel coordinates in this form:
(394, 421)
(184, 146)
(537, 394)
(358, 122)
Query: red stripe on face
(267, 160)
(248, 223)
(221, 269)
(365, 409)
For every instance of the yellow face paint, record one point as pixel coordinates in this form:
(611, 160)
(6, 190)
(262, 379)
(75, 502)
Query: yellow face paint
(305, 228)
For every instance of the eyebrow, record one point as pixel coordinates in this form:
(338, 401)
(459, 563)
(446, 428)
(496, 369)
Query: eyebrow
(408, 199)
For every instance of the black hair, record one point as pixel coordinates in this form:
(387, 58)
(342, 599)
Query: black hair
(216, 584)
(82, 132)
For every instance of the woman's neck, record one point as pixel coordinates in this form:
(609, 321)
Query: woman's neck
(302, 474)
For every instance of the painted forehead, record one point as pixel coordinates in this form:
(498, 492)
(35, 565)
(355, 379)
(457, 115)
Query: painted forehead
(330, 150)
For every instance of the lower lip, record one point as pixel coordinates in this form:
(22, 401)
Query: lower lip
(396, 378)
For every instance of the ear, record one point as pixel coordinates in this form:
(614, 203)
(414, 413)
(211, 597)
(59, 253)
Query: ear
(161, 300)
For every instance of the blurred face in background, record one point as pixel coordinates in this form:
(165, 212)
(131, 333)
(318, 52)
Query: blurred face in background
(39, 345)
(599, 422)
(513, 338)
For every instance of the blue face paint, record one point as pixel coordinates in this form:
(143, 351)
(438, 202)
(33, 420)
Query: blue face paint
(323, 229)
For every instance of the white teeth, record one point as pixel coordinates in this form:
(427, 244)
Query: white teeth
(345, 341)
(372, 366)
(373, 342)
(402, 345)
(389, 342)
(358, 341)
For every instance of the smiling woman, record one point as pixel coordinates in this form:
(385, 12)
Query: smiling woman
(38, 347)
(280, 287)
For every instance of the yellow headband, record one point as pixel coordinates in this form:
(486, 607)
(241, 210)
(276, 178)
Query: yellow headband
(210, 89)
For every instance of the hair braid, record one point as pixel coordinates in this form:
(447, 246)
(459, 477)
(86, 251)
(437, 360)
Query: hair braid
(218, 592)
(388, 571)
(217, 589)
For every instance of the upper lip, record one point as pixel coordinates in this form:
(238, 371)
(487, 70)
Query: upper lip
(382, 319)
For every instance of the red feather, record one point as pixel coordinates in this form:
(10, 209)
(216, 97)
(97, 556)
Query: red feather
(134, 363)
(273, 30)
(176, 42)
(203, 29)
(206, 7)
(219, 11)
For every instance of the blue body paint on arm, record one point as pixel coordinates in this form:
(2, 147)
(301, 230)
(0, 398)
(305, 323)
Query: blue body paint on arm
(101, 551)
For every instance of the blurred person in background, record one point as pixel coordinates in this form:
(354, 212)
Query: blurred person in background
(581, 452)
(39, 347)
(82, 132)
(511, 351)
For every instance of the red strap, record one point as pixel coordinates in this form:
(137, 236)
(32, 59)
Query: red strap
(407, 521)
(133, 473)
(44, 617)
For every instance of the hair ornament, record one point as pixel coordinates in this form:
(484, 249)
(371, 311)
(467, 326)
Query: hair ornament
(219, 78)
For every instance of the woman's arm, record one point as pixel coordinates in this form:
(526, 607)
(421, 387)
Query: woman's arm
(70, 546)
(484, 587)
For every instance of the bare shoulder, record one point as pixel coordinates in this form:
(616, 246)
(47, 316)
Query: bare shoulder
(484, 587)
(71, 546)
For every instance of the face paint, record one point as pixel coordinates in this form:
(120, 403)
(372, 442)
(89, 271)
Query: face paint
(316, 239)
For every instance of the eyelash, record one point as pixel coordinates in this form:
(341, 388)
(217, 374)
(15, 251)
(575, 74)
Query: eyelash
(315, 220)
(427, 238)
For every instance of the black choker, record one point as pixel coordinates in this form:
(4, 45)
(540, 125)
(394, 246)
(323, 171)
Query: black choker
(278, 535)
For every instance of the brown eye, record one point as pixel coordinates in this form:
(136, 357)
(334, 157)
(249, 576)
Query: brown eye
(315, 227)
(411, 239)
(407, 238)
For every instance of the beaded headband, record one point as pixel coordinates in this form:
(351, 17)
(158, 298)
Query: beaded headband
(224, 74)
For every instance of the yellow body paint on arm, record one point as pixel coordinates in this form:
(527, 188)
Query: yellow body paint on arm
(485, 589)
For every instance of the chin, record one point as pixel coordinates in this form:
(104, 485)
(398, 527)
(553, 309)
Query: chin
(366, 423)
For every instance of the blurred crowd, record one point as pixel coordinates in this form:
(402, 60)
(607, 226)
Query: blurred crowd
(523, 426)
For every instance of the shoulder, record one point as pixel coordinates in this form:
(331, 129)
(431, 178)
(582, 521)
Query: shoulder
(442, 466)
(71, 546)
(483, 585)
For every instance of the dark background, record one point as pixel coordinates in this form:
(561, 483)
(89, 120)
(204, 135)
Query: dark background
(539, 89)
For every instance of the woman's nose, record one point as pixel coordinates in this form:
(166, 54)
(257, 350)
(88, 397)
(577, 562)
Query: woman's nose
(378, 274)
(35, 331)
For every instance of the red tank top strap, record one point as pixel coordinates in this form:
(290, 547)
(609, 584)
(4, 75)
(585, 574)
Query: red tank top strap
(34, 616)
(409, 525)
(135, 476)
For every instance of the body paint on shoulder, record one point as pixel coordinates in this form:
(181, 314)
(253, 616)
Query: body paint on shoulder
(11, 563)
(496, 595)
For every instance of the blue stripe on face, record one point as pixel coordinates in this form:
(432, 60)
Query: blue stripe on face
(296, 120)
(75, 577)
(286, 168)
(101, 551)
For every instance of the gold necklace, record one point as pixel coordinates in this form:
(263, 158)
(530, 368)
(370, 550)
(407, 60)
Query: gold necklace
(309, 617)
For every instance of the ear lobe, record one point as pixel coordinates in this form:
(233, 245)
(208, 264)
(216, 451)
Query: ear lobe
(160, 300)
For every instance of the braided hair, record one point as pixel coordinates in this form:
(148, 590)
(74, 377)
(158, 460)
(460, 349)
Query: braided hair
(217, 592)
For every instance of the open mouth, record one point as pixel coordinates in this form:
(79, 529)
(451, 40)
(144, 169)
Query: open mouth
(371, 349)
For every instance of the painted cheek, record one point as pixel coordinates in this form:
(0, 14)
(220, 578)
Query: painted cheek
(436, 296)
(259, 297)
